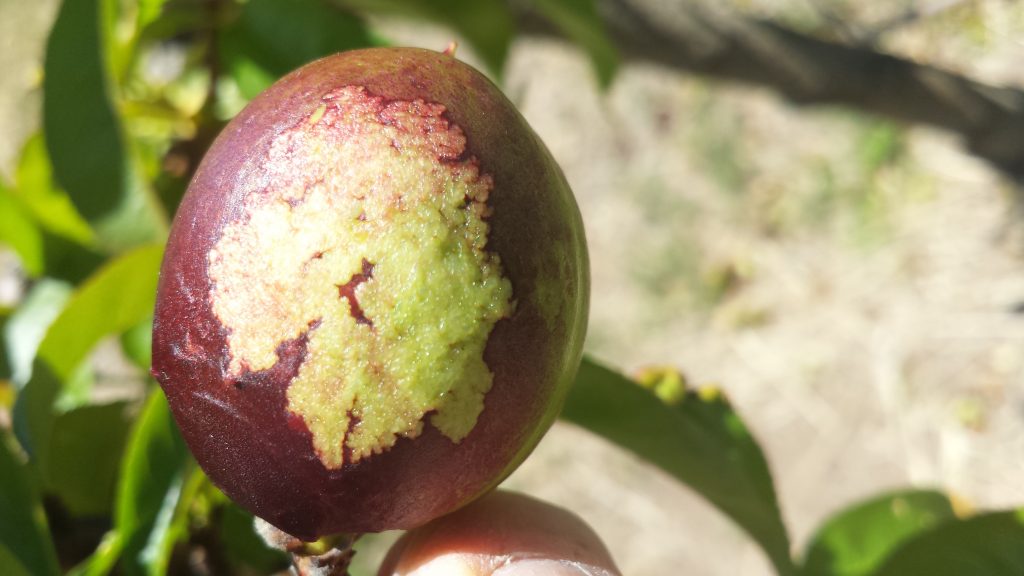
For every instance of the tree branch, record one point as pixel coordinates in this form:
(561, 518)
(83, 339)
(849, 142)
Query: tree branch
(694, 37)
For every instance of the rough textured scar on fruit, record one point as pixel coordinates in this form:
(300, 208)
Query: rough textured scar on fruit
(370, 243)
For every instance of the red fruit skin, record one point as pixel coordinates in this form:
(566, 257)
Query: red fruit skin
(239, 428)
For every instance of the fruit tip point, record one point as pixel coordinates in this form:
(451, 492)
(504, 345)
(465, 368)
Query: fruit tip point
(450, 49)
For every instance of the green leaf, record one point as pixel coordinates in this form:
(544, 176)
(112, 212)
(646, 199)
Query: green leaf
(137, 343)
(84, 457)
(25, 546)
(117, 297)
(856, 541)
(28, 325)
(19, 232)
(273, 37)
(91, 158)
(698, 439)
(985, 545)
(148, 11)
(33, 412)
(580, 22)
(244, 547)
(6, 386)
(50, 206)
(152, 479)
(488, 25)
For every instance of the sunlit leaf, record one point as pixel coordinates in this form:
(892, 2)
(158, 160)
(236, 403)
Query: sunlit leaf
(117, 297)
(102, 559)
(19, 232)
(273, 37)
(91, 159)
(984, 545)
(50, 206)
(580, 22)
(28, 325)
(699, 440)
(85, 454)
(857, 540)
(152, 480)
(148, 11)
(25, 546)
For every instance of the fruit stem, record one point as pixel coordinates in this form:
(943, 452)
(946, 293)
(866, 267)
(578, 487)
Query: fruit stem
(328, 556)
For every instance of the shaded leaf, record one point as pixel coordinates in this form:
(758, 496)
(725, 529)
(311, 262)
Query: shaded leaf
(28, 325)
(102, 560)
(699, 440)
(85, 454)
(984, 545)
(580, 22)
(152, 479)
(33, 412)
(273, 37)
(488, 25)
(6, 387)
(25, 546)
(856, 541)
(91, 159)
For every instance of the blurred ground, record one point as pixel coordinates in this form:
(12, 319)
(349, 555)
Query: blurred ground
(856, 288)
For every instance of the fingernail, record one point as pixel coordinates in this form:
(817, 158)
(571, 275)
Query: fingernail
(548, 568)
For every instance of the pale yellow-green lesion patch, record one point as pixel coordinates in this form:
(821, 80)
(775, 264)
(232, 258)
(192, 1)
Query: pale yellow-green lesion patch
(368, 201)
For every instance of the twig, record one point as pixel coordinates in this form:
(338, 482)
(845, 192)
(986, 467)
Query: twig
(328, 556)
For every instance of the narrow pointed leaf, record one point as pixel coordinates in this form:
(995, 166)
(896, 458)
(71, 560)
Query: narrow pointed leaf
(20, 233)
(695, 437)
(49, 204)
(85, 455)
(580, 22)
(487, 25)
(152, 479)
(91, 158)
(273, 37)
(117, 297)
(25, 546)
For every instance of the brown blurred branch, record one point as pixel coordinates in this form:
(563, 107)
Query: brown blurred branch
(695, 37)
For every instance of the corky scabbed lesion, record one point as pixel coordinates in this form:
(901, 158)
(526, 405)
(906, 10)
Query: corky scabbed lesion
(370, 238)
